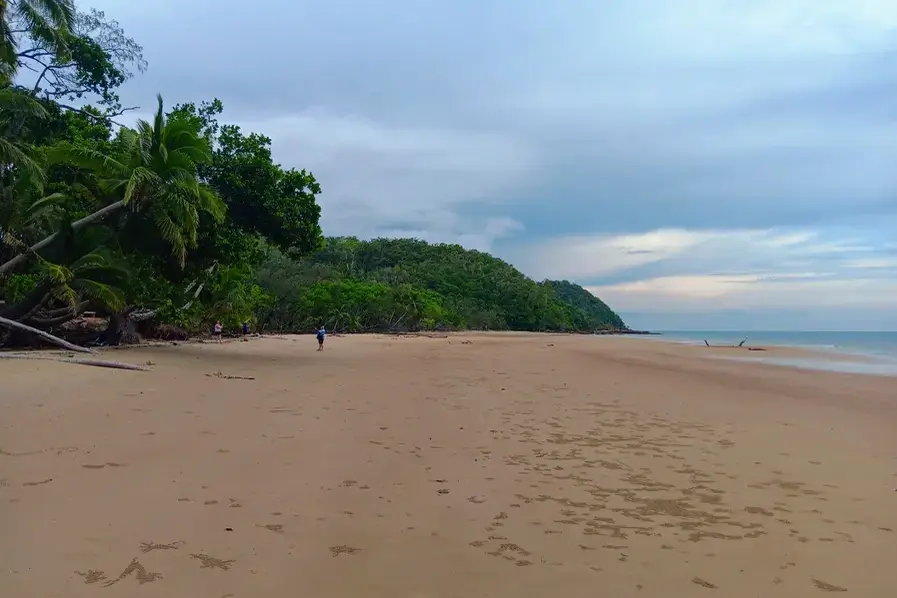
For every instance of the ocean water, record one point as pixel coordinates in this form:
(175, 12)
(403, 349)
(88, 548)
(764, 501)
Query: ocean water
(880, 348)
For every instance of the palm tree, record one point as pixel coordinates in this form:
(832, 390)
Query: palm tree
(155, 174)
(47, 22)
(15, 105)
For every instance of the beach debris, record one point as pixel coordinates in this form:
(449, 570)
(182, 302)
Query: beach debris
(738, 346)
(703, 583)
(44, 335)
(343, 549)
(827, 587)
(117, 365)
(228, 377)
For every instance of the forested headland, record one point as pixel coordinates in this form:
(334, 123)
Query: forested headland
(162, 227)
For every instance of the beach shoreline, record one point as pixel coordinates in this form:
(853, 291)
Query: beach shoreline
(386, 465)
(792, 356)
(796, 356)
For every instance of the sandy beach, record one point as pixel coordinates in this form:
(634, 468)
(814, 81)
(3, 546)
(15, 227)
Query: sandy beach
(479, 465)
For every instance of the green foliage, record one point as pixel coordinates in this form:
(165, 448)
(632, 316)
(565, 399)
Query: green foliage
(155, 171)
(46, 24)
(587, 308)
(407, 284)
(16, 287)
(262, 197)
(192, 220)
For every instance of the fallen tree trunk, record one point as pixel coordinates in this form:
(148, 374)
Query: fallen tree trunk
(117, 365)
(13, 325)
(22, 257)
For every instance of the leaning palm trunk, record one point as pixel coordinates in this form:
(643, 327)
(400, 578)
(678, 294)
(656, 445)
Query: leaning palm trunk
(13, 325)
(23, 257)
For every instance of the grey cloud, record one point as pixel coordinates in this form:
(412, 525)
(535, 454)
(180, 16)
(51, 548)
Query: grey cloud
(502, 124)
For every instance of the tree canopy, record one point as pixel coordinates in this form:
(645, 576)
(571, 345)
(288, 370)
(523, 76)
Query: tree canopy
(184, 218)
(408, 284)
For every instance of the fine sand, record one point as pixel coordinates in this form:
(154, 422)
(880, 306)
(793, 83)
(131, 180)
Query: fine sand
(469, 466)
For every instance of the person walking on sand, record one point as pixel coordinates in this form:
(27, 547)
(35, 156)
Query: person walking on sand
(321, 333)
(216, 331)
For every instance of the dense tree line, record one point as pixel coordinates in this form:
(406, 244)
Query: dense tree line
(182, 219)
(407, 284)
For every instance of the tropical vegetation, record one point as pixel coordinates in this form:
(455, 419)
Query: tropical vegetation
(180, 220)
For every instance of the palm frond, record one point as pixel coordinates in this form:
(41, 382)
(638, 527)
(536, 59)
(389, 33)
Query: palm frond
(112, 298)
(11, 153)
(158, 122)
(212, 203)
(11, 240)
(57, 273)
(197, 154)
(185, 214)
(22, 104)
(141, 177)
(100, 264)
(65, 293)
(61, 12)
(87, 158)
(41, 206)
(90, 261)
(43, 27)
(171, 233)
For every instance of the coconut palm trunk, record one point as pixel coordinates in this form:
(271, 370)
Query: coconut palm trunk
(23, 257)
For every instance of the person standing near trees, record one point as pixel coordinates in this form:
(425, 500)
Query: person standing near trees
(216, 331)
(321, 333)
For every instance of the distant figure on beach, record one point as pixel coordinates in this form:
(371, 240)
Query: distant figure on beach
(216, 331)
(320, 334)
(245, 328)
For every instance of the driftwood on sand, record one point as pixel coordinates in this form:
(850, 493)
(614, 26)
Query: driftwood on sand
(229, 377)
(738, 346)
(117, 365)
(12, 324)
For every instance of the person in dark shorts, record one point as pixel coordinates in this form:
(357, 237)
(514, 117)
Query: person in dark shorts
(216, 331)
(245, 328)
(321, 333)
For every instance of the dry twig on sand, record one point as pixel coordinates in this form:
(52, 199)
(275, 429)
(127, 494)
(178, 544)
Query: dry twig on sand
(228, 377)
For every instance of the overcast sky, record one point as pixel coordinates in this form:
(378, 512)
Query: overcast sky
(711, 164)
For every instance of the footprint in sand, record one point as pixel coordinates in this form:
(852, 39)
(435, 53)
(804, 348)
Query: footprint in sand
(209, 562)
(827, 587)
(143, 576)
(150, 546)
(703, 583)
(92, 576)
(274, 527)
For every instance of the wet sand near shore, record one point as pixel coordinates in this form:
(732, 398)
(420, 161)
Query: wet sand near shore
(473, 465)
